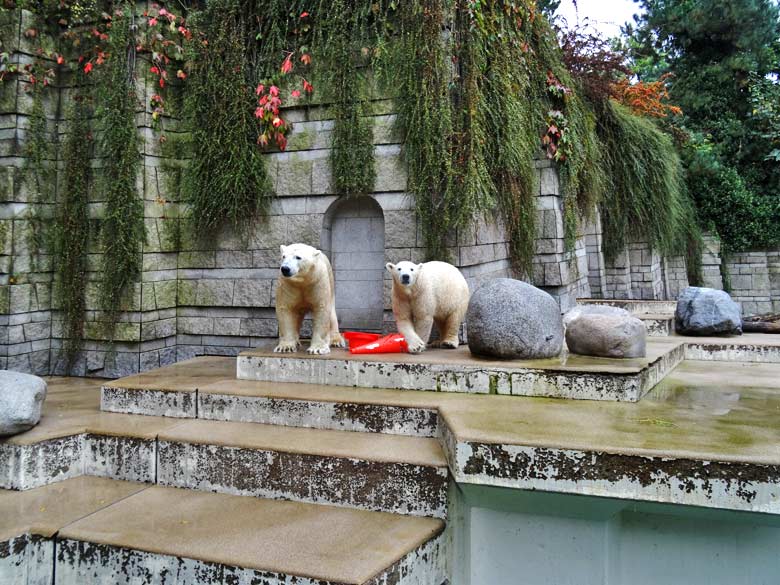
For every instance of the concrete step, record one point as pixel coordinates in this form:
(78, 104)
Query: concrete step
(405, 475)
(566, 376)
(658, 325)
(91, 530)
(635, 306)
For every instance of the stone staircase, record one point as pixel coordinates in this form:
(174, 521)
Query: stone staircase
(658, 316)
(192, 474)
(104, 497)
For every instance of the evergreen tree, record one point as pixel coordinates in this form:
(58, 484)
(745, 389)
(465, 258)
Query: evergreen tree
(724, 61)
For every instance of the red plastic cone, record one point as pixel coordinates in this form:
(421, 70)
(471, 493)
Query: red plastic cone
(357, 338)
(393, 343)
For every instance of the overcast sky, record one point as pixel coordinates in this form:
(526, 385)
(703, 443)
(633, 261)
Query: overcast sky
(605, 15)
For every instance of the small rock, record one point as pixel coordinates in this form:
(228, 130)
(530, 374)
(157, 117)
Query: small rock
(706, 311)
(21, 400)
(606, 335)
(579, 310)
(511, 319)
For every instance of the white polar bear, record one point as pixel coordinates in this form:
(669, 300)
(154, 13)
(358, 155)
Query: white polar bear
(428, 293)
(306, 285)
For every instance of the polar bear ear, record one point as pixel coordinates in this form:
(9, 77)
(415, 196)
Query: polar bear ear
(316, 253)
(390, 267)
(419, 267)
(282, 249)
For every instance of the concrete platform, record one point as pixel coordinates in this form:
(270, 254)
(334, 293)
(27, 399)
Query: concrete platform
(440, 370)
(92, 530)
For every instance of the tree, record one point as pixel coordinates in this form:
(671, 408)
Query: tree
(723, 57)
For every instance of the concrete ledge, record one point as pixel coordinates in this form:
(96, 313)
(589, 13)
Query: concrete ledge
(724, 485)
(569, 376)
(734, 351)
(340, 416)
(170, 403)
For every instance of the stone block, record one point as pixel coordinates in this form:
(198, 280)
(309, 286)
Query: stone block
(252, 293)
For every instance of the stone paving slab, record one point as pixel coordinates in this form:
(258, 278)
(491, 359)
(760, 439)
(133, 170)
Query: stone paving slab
(283, 540)
(46, 510)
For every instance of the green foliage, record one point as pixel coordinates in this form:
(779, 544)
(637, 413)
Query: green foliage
(501, 127)
(420, 73)
(743, 219)
(38, 171)
(226, 180)
(342, 48)
(71, 230)
(722, 54)
(646, 198)
(123, 231)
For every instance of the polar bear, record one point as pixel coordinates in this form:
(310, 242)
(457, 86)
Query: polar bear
(306, 285)
(424, 294)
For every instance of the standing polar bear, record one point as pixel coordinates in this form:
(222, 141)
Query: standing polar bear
(428, 293)
(306, 285)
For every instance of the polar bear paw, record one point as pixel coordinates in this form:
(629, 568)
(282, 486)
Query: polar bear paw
(417, 346)
(319, 349)
(286, 347)
(338, 341)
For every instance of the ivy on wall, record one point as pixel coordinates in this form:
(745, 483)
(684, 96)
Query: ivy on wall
(122, 227)
(71, 233)
(225, 182)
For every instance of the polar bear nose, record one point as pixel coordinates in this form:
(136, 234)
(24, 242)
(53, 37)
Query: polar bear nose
(405, 278)
(286, 271)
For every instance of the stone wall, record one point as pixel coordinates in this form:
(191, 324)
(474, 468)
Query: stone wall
(749, 279)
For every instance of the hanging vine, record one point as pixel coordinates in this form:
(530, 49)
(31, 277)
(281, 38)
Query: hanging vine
(225, 182)
(122, 227)
(71, 232)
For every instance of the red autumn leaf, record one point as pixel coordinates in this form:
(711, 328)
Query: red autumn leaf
(295, 93)
(304, 14)
(305, 58)
(88, 67)
(287, 64)
(181, 75)
(273, 90)
(60, 60)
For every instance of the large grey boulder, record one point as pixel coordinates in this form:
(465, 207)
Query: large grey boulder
(581, 310)
(706, 311)
(609, 334)
(510, 319)
(21, 400)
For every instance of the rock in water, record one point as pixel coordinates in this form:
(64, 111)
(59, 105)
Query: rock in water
(606, 335)
(706, 311)
(510, 319)
(21, 400)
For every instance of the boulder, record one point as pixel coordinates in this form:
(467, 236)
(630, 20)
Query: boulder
(602, 334)
(706, 311)
(579, 310)
(21, 400)
(510, 319)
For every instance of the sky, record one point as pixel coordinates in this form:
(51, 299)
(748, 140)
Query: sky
(605, 15)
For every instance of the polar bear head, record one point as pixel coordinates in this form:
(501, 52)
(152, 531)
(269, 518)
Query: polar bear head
(297, 259)
(405, 273)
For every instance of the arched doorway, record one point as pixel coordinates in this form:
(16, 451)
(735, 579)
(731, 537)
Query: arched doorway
(353, 236)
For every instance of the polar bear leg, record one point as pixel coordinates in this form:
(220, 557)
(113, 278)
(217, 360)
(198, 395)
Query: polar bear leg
(320, 334)
(336, 339)
(449, 332)
(289, 328)
(413, 341)
(422, 328)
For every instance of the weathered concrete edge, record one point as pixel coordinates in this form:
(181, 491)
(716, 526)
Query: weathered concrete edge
(729, 486)
(149, 401)
(54, 460)
(730, 351)
(332, 415)
(380, 486)
(80, 561)
(27, 558)
(441, 378)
